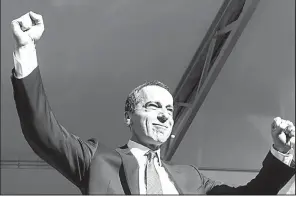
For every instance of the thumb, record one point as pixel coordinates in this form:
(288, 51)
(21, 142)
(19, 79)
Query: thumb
(16, 28)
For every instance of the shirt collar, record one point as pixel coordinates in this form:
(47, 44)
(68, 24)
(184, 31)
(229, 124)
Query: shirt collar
(139, 150)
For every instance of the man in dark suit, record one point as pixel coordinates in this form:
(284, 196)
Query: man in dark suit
(135, 168)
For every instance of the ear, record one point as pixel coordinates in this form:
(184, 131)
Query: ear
(127, 119)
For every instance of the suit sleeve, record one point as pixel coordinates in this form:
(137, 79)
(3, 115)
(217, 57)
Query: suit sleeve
(46, 136)
(272, 177)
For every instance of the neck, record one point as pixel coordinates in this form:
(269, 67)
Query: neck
(148, 145)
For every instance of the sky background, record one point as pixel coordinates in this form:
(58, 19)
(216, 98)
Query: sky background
(93, 53)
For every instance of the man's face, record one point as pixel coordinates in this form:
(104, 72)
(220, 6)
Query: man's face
(152, 120)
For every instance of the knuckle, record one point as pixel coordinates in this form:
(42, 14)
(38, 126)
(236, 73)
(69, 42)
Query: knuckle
(13, 22)
(24, 16)
(39, 17)
(277, 121)
(277, 118)
(289, 122)
(20, 20)
(41, 20)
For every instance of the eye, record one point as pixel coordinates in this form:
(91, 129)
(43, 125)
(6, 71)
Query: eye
(171, 110)
(153, 105)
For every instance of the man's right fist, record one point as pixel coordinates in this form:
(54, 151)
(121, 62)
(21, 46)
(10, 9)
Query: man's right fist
(27, 29)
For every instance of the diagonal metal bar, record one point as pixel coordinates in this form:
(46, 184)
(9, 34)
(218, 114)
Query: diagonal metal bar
(207, 63)
(185, 120)
(190, 82)
(226, 29)
(211, 32)
(228, 13)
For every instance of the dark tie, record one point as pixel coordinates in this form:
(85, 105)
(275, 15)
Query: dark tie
(153, 185)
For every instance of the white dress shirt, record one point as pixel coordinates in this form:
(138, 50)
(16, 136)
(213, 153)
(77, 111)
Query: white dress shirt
(285, 158)
(25, 60)
(139, 152)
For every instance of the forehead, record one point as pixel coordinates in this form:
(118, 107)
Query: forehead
(155, 93)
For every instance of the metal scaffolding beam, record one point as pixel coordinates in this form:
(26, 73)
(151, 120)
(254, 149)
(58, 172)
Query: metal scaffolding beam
(24, 164)
(205, 66)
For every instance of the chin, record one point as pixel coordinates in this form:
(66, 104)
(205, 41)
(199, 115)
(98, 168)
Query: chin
(161, 139)
(158, 138)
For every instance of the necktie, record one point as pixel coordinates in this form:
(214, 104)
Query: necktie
(153, 185)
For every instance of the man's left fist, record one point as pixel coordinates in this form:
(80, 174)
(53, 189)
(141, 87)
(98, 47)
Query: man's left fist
(283, 134)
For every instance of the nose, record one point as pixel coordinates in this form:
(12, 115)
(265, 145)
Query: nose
(162, 118)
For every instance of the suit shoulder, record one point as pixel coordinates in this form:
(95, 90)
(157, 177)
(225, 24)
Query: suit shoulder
(100, 148)
(183, 167)
(96, 146)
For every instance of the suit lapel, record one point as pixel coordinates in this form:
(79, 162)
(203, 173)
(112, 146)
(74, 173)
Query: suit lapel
(174, 174)
(131, 169)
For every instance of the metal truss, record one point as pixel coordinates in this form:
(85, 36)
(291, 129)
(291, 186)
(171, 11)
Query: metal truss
(205, 66)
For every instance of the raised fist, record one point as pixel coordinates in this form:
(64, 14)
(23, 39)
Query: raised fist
(283, 134)
(27, 29)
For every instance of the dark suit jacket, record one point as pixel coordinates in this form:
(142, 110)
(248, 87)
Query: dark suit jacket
(96, 169)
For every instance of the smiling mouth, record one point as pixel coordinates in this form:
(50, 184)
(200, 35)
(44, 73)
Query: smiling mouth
(159, 125)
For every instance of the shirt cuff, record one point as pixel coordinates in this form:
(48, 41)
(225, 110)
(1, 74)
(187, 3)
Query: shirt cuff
(25, 60)
(287, 158)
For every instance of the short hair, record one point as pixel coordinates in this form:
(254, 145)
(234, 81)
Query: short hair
(132, 99)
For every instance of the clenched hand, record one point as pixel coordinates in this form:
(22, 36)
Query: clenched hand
(27, 29)
(283, 134)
